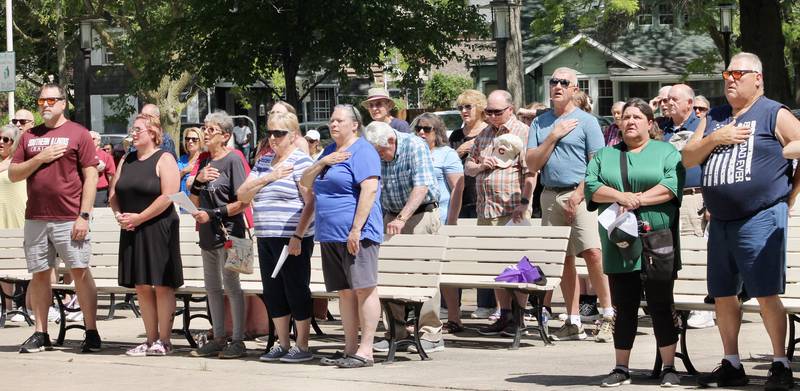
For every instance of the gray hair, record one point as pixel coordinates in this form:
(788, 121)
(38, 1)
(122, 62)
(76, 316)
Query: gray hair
(353, 113)
(378, 133)
(754, 61)
(619, 104)
(701, 98)
(573, 75)
(15, 133)
(222, 119)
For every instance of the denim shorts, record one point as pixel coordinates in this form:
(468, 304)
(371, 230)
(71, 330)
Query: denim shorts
(46, 239)
(750, 251)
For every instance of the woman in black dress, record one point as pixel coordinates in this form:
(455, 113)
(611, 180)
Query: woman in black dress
(149, 245)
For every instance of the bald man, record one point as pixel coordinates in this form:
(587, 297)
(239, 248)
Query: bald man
(167, 144)
(23, 119)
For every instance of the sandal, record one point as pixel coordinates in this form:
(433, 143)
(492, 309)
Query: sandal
(452, 327)
(332, 360)
(354, 361)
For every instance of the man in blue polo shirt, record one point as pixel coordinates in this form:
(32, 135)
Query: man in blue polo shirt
(409, 197)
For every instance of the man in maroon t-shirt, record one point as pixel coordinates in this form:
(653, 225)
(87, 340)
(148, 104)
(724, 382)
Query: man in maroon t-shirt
(58, 160)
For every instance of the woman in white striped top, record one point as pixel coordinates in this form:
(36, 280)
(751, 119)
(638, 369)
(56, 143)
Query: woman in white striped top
(283, 211)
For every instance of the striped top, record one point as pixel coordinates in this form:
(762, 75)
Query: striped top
(277, 206)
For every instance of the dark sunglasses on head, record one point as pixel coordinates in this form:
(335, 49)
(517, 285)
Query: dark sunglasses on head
(192, 139)
(19, 121)
(467, 107)
(700, 108)
(276, 133)
(495, 112)
(564, 82)
(49, 101)
(427, 129)
(737, 74)
(6, 140)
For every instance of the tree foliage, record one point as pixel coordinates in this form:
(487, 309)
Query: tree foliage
(318, 39)
(442, 90)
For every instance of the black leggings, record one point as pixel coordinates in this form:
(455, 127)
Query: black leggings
(626, 293)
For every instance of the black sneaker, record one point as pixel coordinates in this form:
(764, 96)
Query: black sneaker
(38, 342)
(495, 328)
(91, 342)
(779, 378)
(725, 375)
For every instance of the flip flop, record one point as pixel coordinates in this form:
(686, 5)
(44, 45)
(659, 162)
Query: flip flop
(354, 361)
(452, 327)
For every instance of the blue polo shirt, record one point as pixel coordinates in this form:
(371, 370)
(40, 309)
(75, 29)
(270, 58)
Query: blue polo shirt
(693, 174)
(567, 164)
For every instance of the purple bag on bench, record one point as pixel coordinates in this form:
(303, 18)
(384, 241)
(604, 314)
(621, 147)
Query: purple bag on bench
(524, 272)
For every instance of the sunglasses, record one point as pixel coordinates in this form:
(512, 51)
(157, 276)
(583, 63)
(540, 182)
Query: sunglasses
(737, 74)
(427, 129)
(191, 139)
(210, 129)
(564, 82)
(6, 140)
(276, 133)
(17, 121)
(464, 107)
(495, 112)
(49, 101)
(700, 108)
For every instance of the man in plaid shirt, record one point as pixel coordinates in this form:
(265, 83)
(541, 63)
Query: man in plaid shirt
(409, 199)
(504, 188)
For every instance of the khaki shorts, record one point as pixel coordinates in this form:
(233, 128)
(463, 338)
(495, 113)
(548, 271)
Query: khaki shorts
(502, 220)
(46, 239)
(692, 223)
(584, 233)
(420, 223)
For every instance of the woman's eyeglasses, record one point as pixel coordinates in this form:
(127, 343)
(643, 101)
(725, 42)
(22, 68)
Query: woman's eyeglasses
(467, 107)
(19, 121)
(191, 139)
(427, 129)
(276, 133)
(6, 140)
(210, 129)
(700, 108)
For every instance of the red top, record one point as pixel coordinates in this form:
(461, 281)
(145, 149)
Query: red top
(248, 212)
(109, 171)
(55, 188)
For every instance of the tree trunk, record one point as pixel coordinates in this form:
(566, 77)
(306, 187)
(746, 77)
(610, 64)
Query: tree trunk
(61, 50)
(168, 99)
(514, 71)
(760, 23)
(290, 70)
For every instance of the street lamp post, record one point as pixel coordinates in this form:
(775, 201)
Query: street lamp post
(726, 28)
(501, 31)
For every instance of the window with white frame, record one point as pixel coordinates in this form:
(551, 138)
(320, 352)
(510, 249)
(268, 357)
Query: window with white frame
(605, 96)
(665, 14)
(584, 85)
(645, 16)
(322, 103)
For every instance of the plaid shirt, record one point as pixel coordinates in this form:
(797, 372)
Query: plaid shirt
(500, 190)
(412, 166)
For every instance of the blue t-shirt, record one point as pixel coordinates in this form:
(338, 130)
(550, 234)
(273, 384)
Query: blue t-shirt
(692, 174)
(400, 125)
(337, 189)
(445, 162)
(743, 179)
(182, 163)
(567, 164)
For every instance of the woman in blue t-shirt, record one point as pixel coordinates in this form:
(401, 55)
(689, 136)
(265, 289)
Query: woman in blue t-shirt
(446, 165)
(283, 210)
(349, 227)
(193, 145)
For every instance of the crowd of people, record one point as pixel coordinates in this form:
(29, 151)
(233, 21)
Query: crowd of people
(687, 172)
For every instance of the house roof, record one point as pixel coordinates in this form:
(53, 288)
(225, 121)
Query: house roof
(597, 45)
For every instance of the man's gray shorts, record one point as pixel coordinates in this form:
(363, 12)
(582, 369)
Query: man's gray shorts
(46, 239)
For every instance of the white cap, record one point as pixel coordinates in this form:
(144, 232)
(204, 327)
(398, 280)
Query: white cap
(312, 134)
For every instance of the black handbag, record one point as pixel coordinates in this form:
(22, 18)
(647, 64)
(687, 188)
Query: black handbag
(658, 247)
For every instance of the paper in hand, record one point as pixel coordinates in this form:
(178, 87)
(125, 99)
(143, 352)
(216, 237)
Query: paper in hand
(521, 223)
(183, 201)
(281, 260)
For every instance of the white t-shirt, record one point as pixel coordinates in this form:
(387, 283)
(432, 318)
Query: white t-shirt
(240, 133)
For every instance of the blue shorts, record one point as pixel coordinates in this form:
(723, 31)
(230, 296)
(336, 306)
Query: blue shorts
(750, 251)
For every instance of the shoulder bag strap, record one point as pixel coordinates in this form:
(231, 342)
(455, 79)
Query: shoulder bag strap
(626, 185)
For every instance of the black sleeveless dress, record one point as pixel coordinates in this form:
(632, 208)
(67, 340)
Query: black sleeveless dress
(149, 255)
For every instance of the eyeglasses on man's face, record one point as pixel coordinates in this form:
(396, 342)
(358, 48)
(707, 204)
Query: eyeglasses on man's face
(736, 73)
(495, 112)
(563, 82)
(50, 101)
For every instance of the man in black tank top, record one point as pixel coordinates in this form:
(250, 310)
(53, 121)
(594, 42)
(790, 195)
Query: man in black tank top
(749, 186)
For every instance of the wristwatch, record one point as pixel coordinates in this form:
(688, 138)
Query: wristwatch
(85, 215)
(524, 201)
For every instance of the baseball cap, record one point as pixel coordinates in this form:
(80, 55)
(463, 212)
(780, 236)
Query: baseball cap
(624, 233)
(312, 134)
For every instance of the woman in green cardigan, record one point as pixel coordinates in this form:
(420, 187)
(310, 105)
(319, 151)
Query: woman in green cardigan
(656, 178)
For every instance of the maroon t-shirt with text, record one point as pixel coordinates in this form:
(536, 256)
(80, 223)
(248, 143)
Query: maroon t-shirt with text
(55, 188)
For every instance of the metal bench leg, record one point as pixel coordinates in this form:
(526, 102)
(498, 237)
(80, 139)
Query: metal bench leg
(517, 314)
(417, 310)
(112, 306)
(187, 320)
(538, 307)
(62, 325)
(330, 316)
(318, 331)
(130, 300)
(683, 354)
(793, 340)
(392, 332)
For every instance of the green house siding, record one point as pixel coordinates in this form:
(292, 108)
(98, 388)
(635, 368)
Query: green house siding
(585, 58)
